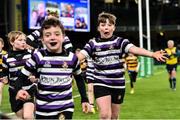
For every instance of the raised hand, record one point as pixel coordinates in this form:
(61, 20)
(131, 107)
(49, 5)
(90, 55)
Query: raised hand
(160, 56)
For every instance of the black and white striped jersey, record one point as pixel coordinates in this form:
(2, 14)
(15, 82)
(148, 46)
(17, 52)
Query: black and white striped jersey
(107, 57)
(55, 71)
(12, 64)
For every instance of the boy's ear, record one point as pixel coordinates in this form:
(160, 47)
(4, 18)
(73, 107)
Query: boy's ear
(114, 28)
(11, 43)
(98, 28)
(42, 40)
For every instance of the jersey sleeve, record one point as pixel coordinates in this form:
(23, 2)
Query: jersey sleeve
(125, 45)
(33, 39)
(87, 50)
(29, 69)
(67, 44)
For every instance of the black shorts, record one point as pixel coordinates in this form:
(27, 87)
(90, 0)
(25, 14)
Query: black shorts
(132, 75)
(16, 105)
(170, 68)
(66, 115)
(117, 95)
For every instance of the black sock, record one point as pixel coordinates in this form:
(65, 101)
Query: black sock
(170, 82)
(174, 82)
(131, 84)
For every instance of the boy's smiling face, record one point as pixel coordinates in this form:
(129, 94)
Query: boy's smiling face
(53, 39)
(106, 29)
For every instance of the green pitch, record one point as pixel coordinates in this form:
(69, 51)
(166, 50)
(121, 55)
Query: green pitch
(153, 99)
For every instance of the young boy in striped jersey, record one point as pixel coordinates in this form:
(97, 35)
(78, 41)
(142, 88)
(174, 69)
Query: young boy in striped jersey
(106, 52)
(12, 64)
(55, 68)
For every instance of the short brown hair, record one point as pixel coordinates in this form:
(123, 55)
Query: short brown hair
(52, 22)
(104, 16)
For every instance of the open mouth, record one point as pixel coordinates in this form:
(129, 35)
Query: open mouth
(106, 33)
(53, 43)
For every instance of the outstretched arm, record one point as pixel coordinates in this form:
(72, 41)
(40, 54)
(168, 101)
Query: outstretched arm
(158, 55)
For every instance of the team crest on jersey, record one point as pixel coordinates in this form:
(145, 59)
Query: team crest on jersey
(65, 65)
(61, 117)
(47, 64)
(98, 49)
(111, 47)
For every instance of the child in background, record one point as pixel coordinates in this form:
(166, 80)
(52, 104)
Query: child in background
(106, 52)
(12, 64)
(2, 52)
(132, 67)
(55, 68)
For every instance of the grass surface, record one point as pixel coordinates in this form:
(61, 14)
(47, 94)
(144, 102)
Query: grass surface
(153, 99)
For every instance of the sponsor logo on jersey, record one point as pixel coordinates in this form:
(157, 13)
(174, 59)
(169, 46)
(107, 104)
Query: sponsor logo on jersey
(111, 47)
(47, 64)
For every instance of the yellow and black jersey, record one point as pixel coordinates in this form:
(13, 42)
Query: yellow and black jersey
(3, 52)
(172, 53)
(132, 63)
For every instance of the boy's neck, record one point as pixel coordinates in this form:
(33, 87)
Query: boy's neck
(107, 38)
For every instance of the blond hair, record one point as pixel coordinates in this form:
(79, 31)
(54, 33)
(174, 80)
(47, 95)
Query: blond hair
(13, 35)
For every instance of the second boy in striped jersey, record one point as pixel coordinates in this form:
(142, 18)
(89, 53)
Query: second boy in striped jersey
(106, 52)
